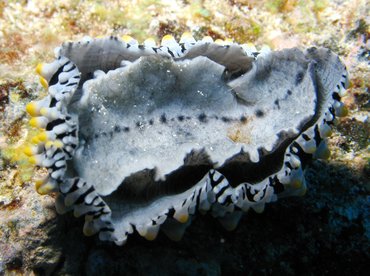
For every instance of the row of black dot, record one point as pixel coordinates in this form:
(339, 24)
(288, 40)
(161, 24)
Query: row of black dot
(203, 118)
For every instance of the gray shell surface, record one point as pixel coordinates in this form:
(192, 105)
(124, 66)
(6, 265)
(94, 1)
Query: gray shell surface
(143, 137)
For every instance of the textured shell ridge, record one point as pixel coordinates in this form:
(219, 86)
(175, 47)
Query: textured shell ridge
(142, 137)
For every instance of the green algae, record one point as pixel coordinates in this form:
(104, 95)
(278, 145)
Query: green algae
(357, 132)
(319, 5)
(198, 10)
(242, 30)
(276, 6)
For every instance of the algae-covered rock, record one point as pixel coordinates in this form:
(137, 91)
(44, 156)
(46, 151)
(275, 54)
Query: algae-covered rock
(326, 231)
